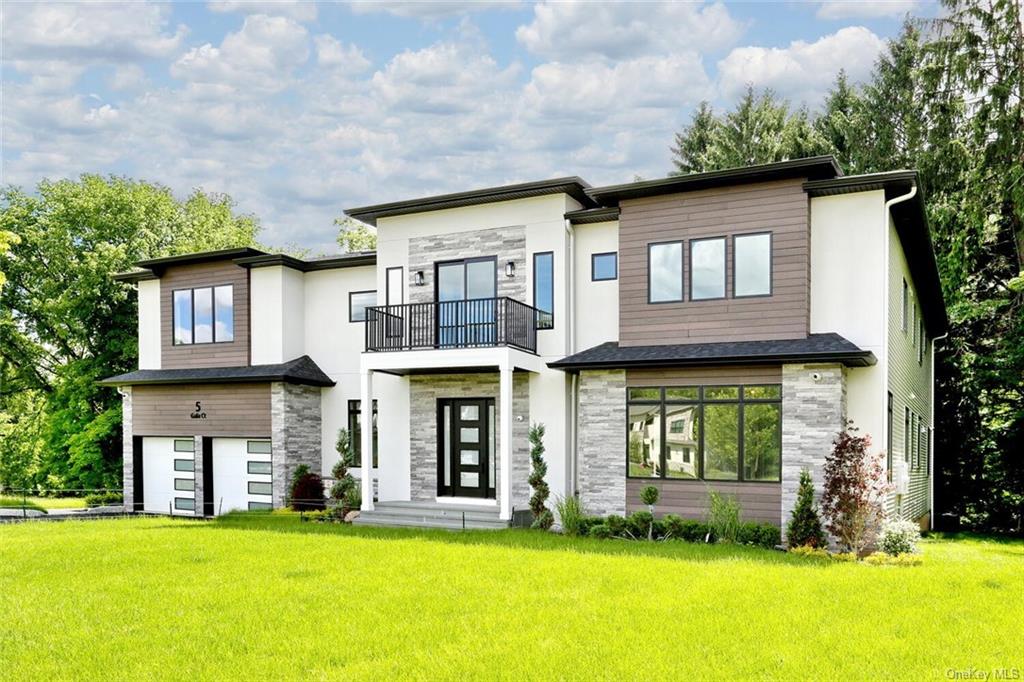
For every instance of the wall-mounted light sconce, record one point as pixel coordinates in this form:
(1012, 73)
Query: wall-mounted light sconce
(510, 269)
(420, 279)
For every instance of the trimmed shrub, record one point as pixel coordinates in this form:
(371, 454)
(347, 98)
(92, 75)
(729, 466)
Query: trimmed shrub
(103, 499)
(899, 537)
(307, 490)
(807, 550)
(542, 517)
(571, 515)
(600, 530)
(759, 534)
(638, 524)
(344, 484)
(883, 559)
(723, 516)
(616, 524)
(804, 526)
(685, 529)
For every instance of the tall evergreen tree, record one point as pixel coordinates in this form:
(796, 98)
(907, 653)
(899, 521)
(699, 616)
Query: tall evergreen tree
(690, 150)
(839, 123)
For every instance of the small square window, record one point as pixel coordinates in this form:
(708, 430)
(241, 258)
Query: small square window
(258, 447)
(260, 488)
(358, 302)
(184, 465)
(260, 468)
(604, 266)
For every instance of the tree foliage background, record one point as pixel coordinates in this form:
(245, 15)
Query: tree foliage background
(946, 98)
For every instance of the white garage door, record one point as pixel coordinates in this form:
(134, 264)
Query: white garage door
(168, 475)
(241, 474)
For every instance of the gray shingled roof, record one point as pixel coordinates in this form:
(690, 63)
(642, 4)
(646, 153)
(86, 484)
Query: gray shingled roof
(815, 348)
(301, 370)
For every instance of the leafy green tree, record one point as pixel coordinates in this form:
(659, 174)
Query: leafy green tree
(691, 146)
(355, 236)
(65, 323)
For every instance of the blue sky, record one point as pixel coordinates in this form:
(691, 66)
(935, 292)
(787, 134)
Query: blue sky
(298, 110)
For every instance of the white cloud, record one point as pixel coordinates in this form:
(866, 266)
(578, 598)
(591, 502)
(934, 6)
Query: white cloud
(869, 9)
(332, 54)
(298, 10)
(570, 31)
(802, 71)
(88, 31)
(127, 77)
(260, 56)
(430, 9)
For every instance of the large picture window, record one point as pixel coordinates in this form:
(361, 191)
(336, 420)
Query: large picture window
(715, 433)
(665, 272)
(355, 432)
(707, 269)
(752, 265)
(203, 315)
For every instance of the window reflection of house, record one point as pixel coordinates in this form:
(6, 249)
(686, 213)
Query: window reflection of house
(681, 439)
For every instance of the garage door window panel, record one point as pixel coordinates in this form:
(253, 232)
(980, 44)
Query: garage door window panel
(185, 484)
(185, 465)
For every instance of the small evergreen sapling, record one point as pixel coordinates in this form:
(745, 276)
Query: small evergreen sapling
(649, 496)
(804, 527)
(344, 491)
(542, 517)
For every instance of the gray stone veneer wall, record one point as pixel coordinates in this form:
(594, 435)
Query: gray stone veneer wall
(601, 441)
(507, 243)
(813, 412)
(295, 433)
(425, 390)
(127, 452)
(197, 454)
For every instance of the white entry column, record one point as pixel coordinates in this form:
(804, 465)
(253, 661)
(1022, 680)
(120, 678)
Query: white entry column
(505, 440)
(366, 438)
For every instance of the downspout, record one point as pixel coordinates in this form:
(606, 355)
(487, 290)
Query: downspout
(886, 323)
(574, 377)
(931, 441)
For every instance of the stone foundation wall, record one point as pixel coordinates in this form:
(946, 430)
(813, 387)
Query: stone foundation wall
(601, 441)
(127, 450)
(424, 392)
(295, 433)
(813, 412)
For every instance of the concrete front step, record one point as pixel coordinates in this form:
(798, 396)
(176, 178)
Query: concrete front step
(419, 515)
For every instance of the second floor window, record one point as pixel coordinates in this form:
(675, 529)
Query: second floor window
(752, 265)
(544, 289)
(358, 302)
(707, 268)
(665, 272)
(204, 315)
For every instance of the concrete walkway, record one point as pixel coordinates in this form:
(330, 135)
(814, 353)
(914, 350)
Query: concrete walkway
(18, 515)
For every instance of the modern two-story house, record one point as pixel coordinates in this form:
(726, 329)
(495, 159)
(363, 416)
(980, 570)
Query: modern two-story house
(704, 332)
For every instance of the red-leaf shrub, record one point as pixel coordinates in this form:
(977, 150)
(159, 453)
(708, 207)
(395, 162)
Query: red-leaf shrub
(307, 492)
(853, 502)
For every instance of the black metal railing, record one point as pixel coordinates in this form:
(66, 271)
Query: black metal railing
(474, 323)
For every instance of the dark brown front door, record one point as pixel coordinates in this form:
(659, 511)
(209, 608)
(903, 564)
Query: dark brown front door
(465, 451)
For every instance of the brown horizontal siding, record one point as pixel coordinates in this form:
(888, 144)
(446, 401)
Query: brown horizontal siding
(777, 207)
(231, 410)
(704, 376)
(233, 354)
(761, 502)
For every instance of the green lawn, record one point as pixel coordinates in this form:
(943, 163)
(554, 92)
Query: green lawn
(260, 597)
(42, 503)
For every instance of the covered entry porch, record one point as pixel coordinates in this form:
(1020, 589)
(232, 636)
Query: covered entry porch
(462, 402)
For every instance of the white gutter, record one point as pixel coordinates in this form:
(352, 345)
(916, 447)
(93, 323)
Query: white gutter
(931, 441)
(571, 342)
(884, 360)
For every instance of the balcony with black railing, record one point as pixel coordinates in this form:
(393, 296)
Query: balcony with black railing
(473, 323)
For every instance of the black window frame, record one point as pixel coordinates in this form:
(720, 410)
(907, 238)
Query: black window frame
(213, 315)
(888, 438)
(536, 255)
(260, 484)
(771, 263)
(593, 266)
(354, 414)
(700, 402)
(192, 462)
(906, 305)
(906, 434)
(725, 268)
(190, 500)
(355, 293)
(682, 271)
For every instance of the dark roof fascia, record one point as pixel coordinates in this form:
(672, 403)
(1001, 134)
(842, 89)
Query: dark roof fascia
(812, 168)
(135, 276)
(911, 220)
(343, 261)
(593, 215)
(157, 265)
(574, 186)
(863, 358)
(301, 371)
